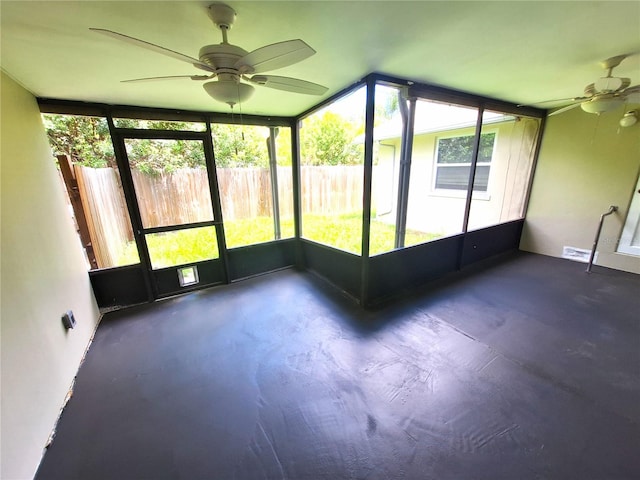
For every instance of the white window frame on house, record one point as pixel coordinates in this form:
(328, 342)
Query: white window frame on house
(462, 192)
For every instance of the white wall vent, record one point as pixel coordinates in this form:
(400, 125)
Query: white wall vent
(577, 254)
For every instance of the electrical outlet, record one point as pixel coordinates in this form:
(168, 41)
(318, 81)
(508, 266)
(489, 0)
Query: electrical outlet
(68, 320)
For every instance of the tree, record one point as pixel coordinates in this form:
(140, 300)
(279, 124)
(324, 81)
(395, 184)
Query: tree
(86, 140)
(387, 104)
(240, 146)
(155, 156)
(327, 139)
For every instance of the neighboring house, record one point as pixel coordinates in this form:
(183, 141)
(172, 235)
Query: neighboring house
(440, 167)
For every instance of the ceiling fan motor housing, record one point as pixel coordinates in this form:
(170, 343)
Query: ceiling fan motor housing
(222, 55)
(612, 84)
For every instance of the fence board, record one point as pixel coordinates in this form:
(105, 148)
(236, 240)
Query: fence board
(106, 213)
(331, 190)
(173, 198)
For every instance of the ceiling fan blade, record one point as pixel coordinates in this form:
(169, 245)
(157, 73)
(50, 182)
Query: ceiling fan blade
(274, 56)
(573, 99)
(288, 84)
(565, 109)
(152, 47)
(169, 77)
(632, 94)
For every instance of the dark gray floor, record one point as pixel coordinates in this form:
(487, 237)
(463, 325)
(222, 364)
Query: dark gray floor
(525, 369)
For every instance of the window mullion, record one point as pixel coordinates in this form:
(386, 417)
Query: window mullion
(406, 152)
(273, 171)
(472, 170)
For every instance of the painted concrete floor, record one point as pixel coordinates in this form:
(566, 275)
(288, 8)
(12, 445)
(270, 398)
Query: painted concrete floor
(525, 369)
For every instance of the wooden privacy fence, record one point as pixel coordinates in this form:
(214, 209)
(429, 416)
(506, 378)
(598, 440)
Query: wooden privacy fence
(173, 198)
(183, 197)
(106, 213)
(331, 190)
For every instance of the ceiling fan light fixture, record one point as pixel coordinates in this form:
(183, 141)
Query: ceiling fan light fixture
(629, 119)
(229, 92)
(601, 104)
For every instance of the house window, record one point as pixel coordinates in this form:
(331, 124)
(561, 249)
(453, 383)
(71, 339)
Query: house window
(453, 162)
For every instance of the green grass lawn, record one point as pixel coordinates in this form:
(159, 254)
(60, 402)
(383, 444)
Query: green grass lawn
(345, 232)
(196, 244)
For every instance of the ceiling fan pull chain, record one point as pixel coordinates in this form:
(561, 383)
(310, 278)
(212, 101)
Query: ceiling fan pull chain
(240, 108)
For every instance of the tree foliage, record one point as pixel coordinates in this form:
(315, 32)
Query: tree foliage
(387, 104)
(153, 156)
(85, 140)
(240, 146)
(327, 139)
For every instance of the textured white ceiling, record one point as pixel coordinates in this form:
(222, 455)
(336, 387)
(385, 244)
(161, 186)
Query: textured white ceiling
(521, 52)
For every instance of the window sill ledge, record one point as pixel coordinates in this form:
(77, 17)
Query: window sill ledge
(484, 196)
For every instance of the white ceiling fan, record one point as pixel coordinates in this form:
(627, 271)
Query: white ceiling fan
(231, 69)
(605, 94)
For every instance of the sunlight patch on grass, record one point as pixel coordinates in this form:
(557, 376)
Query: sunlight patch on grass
(248, 231)
(344, 232)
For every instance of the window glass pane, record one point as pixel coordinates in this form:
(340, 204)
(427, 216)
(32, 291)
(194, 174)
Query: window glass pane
(331, 173)
(97, 201)
(440, 168)
(170, 180)
(499, 194)
(159, 124)
(459, 149)
(454, 159)
(178, 247)
(455, 149)
(245, 182)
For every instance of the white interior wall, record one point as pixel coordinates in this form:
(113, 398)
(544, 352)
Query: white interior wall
(43, 274)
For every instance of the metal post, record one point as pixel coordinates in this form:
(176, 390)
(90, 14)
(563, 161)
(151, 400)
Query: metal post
(612, 208)
(472, 170)
(366, 200)
(297, 203)
(408, 119)
(273, 171)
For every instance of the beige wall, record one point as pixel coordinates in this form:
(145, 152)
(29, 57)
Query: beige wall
(43, 274)
(586, 164)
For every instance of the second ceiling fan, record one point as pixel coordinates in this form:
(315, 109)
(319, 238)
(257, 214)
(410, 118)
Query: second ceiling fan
(232, 70)
(605, 94)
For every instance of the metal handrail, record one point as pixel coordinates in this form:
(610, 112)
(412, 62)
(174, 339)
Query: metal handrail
(612, 208)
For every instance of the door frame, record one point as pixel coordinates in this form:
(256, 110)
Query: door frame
(162, 282)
